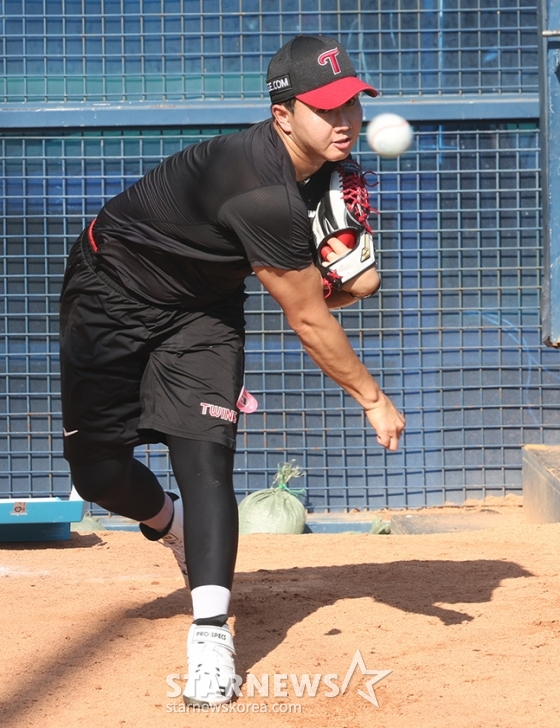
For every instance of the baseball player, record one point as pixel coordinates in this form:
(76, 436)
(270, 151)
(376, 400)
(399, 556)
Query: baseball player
(152, 326)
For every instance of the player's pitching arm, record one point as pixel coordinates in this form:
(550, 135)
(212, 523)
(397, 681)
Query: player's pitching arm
(300, 294)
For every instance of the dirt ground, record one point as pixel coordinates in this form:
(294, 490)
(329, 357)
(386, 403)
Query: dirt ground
(467, 622)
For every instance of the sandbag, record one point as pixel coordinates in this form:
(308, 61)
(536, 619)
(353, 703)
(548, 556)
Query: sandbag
(273, 510)
(380, 526)
(276, 509)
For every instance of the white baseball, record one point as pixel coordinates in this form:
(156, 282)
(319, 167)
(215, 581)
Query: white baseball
(389, 135)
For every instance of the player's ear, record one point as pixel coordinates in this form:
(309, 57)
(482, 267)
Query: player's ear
(282, 116)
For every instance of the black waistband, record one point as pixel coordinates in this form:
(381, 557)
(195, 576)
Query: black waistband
(100, 269)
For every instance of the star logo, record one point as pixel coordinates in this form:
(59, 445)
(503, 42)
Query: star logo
(358, 661)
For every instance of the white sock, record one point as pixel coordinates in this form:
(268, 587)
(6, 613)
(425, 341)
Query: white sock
(162, 519)
(209, 601)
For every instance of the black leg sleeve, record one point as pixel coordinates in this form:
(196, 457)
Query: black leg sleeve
(120, 484)
(204, 473)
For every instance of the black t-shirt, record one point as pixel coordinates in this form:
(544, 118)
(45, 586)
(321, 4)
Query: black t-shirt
(189, 232)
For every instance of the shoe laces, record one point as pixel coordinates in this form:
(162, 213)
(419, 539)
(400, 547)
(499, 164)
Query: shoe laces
(203, 655)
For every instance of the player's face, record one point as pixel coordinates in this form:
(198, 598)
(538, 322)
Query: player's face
(326, 135)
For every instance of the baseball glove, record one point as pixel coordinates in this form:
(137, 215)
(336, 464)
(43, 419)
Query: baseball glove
(344, 208)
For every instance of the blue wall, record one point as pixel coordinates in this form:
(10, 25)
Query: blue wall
(96, 93)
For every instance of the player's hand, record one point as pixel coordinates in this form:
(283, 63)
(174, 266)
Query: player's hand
(334, 249)
(387, 421)
(361, 286)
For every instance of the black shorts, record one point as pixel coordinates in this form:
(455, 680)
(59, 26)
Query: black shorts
(133, 373)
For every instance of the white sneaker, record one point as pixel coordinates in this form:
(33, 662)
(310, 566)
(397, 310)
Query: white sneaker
(174, 538)
(211, 669)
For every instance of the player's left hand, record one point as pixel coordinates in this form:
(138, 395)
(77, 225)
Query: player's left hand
(340, 229)
(335, 249)
(361, 286)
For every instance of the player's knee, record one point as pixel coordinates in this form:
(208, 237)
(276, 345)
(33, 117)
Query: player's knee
(89, 486)
(99, 482)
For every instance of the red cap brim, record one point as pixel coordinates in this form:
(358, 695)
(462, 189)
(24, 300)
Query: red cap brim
(336, 93)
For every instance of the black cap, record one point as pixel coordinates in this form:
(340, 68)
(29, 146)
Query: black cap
(316, 70)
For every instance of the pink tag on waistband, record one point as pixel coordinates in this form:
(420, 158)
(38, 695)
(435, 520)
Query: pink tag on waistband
(246, 402)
